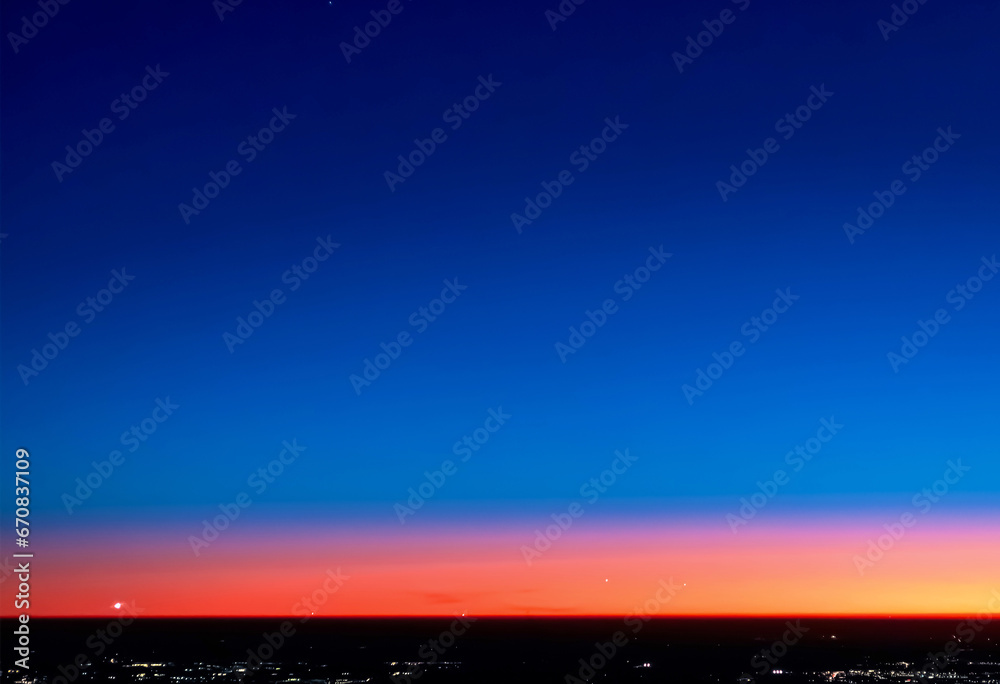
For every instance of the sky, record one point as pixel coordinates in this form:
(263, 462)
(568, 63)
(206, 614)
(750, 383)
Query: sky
(501, 309)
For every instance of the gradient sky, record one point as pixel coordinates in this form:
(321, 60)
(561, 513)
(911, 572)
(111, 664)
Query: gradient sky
(494, 347)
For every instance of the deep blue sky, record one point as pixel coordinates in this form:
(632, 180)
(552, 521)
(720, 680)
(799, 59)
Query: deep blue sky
(655, 185)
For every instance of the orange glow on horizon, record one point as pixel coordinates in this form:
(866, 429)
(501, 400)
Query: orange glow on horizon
(764, 571)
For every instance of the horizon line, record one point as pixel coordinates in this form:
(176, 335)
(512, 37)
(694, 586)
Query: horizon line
(543, 616)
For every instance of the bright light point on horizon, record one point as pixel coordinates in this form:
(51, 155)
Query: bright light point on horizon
(118, 605)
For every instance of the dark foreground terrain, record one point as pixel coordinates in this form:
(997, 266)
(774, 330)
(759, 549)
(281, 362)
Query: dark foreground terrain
(504, 650)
